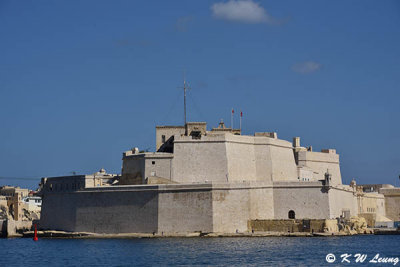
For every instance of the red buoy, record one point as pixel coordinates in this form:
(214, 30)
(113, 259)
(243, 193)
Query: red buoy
(35, 238)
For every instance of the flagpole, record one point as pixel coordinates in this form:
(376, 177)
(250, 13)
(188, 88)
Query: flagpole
(232, 119)
(241, 115)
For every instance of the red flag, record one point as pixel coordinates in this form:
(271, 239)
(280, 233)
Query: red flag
(233, 111)
(241, 114)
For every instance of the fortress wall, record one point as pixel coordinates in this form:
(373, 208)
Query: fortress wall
(185, 211)
(380, 206)
(306, 199)
(136, 168)
(393, 207)
(284, 167)
(392, 202)
(320, 162)
(228, 157)
(160, 168)
(58, 211)
(261, 204)
(167, 131)
(275, 160)
(130, 209)
(341, 200)
(199, 161)
(241, 162)
(371, 202)
(235, 204)
(133, 168)
(182, 208)
(263, 163)
(117, 212)
(230, 210)
(101, 211)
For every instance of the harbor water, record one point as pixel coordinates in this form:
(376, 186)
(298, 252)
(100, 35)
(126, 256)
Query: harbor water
(238, 251)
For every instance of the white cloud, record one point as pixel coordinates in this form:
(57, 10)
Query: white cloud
(306, 67)
(241, 11)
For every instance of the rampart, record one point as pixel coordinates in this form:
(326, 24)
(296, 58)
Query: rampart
(182, 208)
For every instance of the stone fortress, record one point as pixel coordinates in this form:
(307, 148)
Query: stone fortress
(213, 181)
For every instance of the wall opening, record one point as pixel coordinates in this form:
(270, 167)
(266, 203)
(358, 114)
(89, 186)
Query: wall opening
(292, 214)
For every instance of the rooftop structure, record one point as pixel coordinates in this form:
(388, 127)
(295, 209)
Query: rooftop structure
(224, 155)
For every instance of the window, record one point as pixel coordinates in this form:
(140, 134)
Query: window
(292, 214)
(163, 138)
(196, 134)
(153, 163)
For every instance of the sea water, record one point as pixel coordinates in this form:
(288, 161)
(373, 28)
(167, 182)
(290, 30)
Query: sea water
(227, 251)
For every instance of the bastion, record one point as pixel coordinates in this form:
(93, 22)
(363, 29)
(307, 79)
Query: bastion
(207, 181)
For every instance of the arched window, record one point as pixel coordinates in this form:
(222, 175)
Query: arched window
(292, 214)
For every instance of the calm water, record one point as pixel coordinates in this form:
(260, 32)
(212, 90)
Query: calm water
(271, 251)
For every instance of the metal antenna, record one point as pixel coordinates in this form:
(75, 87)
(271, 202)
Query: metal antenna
(185, 88)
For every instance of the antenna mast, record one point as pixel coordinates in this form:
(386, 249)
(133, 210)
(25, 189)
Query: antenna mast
(184, 98)
(185, 88)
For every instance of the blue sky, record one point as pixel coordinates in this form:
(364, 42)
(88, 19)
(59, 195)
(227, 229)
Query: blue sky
(83, 81)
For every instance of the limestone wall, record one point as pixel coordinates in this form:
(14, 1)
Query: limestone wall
(263, 163)
(230, 210)
(291, 225)
(158, 166)
(133, 169)
(241, 162)
(200, 160)
(261, 203)
(371, 203)
(15, 228)
(283, 163)
(185, 211)
(392, 202)
(167, 131)
(137, 167)
(236, 203)
(130, 209)
(320, 162)
(181, 208)
(275, 225)
(172, 208)
(341, 200)
(101, 211)
(232, 158)
(308, 200)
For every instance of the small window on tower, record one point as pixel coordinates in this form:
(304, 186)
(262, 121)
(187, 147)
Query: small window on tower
(196, 134)
(153, 162)
(163, 139)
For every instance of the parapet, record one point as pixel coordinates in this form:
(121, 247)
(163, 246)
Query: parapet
(329, 151)
(267, 134)
(327, 157)
(197, 127)
(131, 152)
(222, 128)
